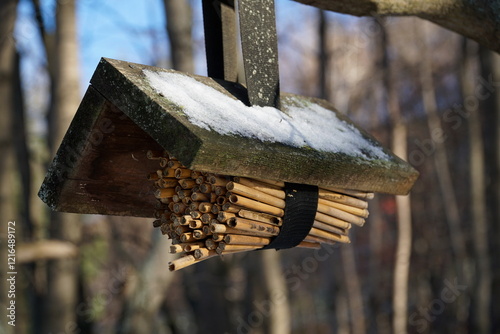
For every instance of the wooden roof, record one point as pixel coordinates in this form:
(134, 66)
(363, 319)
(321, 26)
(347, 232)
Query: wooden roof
(101, 165)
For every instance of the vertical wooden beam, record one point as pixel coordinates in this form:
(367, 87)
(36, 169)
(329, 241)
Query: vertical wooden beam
(259, 42)
(219, 21)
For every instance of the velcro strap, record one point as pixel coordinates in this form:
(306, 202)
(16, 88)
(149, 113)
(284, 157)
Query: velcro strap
(301, 204)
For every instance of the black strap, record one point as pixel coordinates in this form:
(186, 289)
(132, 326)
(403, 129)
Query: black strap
(301, 204)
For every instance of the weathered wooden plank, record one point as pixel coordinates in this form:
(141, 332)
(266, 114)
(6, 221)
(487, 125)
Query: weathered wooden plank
(476, 19)
(168, 122)
(101, 165)
(219, 22)
(259, 45)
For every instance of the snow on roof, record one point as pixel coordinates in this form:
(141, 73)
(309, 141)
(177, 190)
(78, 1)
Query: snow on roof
(301, 125)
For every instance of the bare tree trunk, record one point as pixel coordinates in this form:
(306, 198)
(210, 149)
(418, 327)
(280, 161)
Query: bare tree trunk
(351, 280)
(376, 222)
(324, 58)
(179, 21)
(354, 294)
(342, 313)
(441, 164)
(30, 295)
(375, 226)
(403, 250)
(22, 153)
(440, 156)
(63, 275)
(7, 66)
(495, 190)
(490, 112)
(8, 10)
(153, 277)
(277, 296)
(496, 184)
(477, 170)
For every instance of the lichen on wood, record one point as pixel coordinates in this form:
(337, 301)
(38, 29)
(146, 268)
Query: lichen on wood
(201, 148)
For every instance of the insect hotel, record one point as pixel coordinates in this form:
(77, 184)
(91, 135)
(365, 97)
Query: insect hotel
(220, 167)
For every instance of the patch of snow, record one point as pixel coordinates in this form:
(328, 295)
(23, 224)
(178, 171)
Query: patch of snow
(302, 125)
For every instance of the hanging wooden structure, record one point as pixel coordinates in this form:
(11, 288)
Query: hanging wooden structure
(211, 126)
(100, 165)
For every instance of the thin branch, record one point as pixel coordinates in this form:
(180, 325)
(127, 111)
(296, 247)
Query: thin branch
(475, 19)
(45, 250)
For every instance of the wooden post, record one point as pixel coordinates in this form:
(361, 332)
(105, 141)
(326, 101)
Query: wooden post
(259, 42)
(219, 21)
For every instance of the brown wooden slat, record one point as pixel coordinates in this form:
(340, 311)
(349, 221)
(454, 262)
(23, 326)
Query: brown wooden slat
(105, 168)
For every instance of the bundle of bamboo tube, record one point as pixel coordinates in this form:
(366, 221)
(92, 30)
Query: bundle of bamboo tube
(208, 215)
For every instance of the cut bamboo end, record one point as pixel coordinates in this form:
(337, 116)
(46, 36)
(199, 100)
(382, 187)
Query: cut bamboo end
(182, 262)
(165, 193)
(223, 216)
(168, 182)
(157, 223)
(215, 209)
(199, 234)
(192, 246)
(185, 219)
(217, 181)
(211, 244)
(205, 207)
(163, 162)
(174, 249)
(174, 164)
(187, 183)
(187, 237)
(195, 224)
(220, 190)
(230, 207)
(200, 197)
(202, 253)
(182, 173)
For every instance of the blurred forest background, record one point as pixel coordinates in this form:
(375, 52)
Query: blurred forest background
(423, 263)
